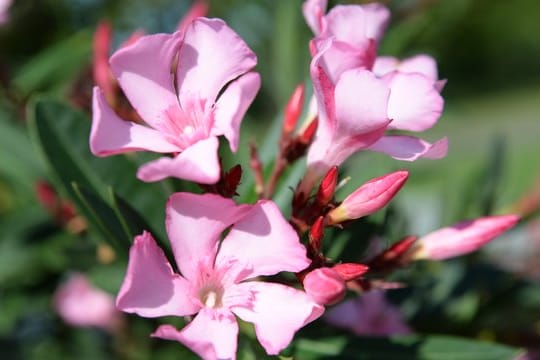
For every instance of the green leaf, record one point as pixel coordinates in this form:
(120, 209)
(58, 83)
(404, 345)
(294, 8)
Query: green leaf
(105, 219)
(61, 134)
(404, 348)
(55, 66)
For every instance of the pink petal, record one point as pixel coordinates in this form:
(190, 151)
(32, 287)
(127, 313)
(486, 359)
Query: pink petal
(198, 9)
(264, 243)
(463, 238)
(384, 65)
(151, 288)
(194, 224)
(361, 102)
(414, 104)
(325, 286)
(112, 135)
(423, 64)
(211, 335)
(143, 70)
(232, 106)
(409, 148)
(199, 163)
(341, 56)
(212, 55)
(313, 11)
(277, 312)
(353, 23)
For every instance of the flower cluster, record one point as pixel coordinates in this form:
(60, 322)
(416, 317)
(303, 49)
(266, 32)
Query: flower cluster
(176, 94)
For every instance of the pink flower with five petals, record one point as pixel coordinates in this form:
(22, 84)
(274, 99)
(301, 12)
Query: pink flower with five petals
(212, 275)
(189, 88)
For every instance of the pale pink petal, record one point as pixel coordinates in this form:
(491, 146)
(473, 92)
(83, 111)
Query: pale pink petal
(80, 304)
(325, 286)
(368, 314)
(409, 148)
(211, 335)
(361, 101)
(462, 238)
(313, 11)
(264, 243)
(369, 198)
(423, 64)
(199, 163)
(341, 56)
(151, 288)
(232, 106)
(414, 104)
(199, 8)
(384, 65)
(112, 135)
(212, 55)
(143, 70)
(354, 23)
(277, 312)
(377, 17)
(194, 224)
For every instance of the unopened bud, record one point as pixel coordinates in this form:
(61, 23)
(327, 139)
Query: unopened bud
(350, 271)
(368, 198)
(327, 187)
(394, 255)
(307, 135)
(325, 286)
(461, 238)
(316, 234)
(293, 110)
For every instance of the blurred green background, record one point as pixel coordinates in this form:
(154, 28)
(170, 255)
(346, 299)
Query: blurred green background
(489, 50)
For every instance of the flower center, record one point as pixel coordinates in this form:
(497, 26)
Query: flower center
(211, 297)
(186, 125)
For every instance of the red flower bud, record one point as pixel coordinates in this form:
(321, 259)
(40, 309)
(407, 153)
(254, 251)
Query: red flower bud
(350, 271)
(307, 136)
(327, 187)
(316, 234)
(293, 110)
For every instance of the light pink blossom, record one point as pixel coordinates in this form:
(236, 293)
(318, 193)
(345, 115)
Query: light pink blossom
(212, 275)
(368, 314)
(461, 238)
(189, 88)
(80, 304)
(368, 198)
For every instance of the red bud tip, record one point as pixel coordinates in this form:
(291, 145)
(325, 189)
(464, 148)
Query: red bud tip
(293, 110)
(316, 234)
(46, 195)
(350, 271)
(327, 187)
(309, 133)
(395, 255)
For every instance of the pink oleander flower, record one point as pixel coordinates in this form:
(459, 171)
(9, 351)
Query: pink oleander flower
(4, 10)
(212, 282)
(368, 198)
(461, 238)
(188, 88)
(368, 314)
(346, 39)
(80, 304)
